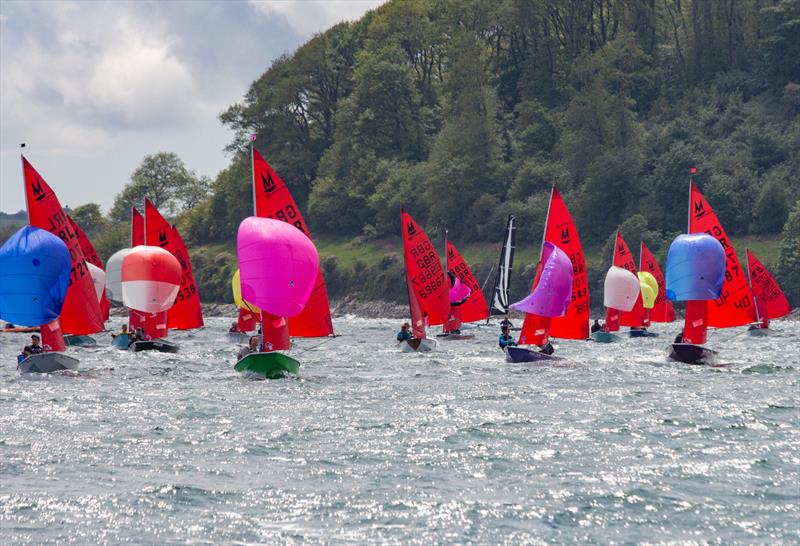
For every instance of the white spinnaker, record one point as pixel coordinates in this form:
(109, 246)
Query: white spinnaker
(114, 275)
(99, 280)
(621, 288)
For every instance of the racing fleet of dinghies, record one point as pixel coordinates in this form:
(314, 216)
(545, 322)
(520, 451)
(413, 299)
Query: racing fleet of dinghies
(52, 280)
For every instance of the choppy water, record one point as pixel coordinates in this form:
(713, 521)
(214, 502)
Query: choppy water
(369, 445)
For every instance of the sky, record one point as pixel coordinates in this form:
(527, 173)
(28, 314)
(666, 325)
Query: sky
(94, 87)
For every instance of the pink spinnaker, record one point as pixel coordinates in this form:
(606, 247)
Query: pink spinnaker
(278, 265)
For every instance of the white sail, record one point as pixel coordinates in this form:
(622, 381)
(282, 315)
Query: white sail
(500, 296)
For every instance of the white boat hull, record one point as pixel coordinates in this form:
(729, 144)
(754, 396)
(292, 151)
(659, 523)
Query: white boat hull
(424, 345)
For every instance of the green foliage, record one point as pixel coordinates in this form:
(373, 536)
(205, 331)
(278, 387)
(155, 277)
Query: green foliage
(772, 206)
(166, 181)
(788, 269)
(90, 218)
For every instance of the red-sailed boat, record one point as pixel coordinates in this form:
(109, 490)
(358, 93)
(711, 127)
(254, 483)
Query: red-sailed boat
(462, 281)
(560, 230)
(769, 300)
(428, 289)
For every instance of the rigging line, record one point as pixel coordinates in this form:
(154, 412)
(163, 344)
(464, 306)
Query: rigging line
(301, 351)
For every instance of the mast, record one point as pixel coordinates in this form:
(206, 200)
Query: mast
(253, 171)
(750, 283)
(546, 220)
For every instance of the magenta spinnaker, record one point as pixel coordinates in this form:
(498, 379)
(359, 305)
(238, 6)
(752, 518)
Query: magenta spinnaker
(278, 265)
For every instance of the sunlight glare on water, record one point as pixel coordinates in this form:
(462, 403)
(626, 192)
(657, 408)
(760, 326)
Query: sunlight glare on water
(369, 445)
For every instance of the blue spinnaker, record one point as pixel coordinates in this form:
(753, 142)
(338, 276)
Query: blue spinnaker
(695, 268)
(34, 276)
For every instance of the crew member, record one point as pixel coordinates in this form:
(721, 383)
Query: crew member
(596, 327)
(505, 339)
(405, 332)
(34, 348)
(123, 331)
(252, 347)
(547, 348)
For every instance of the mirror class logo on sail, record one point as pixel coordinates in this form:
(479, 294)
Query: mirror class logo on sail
(699, 209)
(162, 238)
(38, 193)
(268, 182)
(411, 230)
(565, 236)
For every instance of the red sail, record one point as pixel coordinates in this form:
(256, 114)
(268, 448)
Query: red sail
(561, 231)
(186, 313)
(274, 333)
(696, 323)
(81, 313)
(475, 308)
(247, 321)
(735, 305)
(662, 311)
(137, 228)
(273, 200)
(766, 290)
(428, 289)
(91, 256)
(53, 337)
(638, 316)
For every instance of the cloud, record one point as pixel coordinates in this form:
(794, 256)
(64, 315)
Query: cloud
(92, 72)
(309, 16)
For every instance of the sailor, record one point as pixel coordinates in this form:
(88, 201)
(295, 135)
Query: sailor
(596, 327)
(234, 328)
(547, 348)
(405, 333)
(137, 336)
(505, 339)
(123, 331)
(679, 337)
(34, 348)
(25, 354)
(506, 322)
(252, 347)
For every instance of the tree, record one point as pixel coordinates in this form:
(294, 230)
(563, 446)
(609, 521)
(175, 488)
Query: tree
(788, 269)
(165, 180)
(90, 219)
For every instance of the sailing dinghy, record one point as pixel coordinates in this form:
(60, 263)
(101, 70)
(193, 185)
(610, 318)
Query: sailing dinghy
(621, 291)
(34, 280)
(733, 304)
(467, 303)
(695, 274)
(428, 289)
(273, 200)
(278, 265)
(769, 300)
(539, 326)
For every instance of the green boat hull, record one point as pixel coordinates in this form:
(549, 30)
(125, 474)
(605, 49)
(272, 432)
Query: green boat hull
(605, 337)
(269, 365)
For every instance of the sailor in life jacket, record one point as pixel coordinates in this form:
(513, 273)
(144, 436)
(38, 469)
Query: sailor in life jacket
(505, 339)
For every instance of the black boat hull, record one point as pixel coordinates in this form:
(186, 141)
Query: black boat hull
(689, 353)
